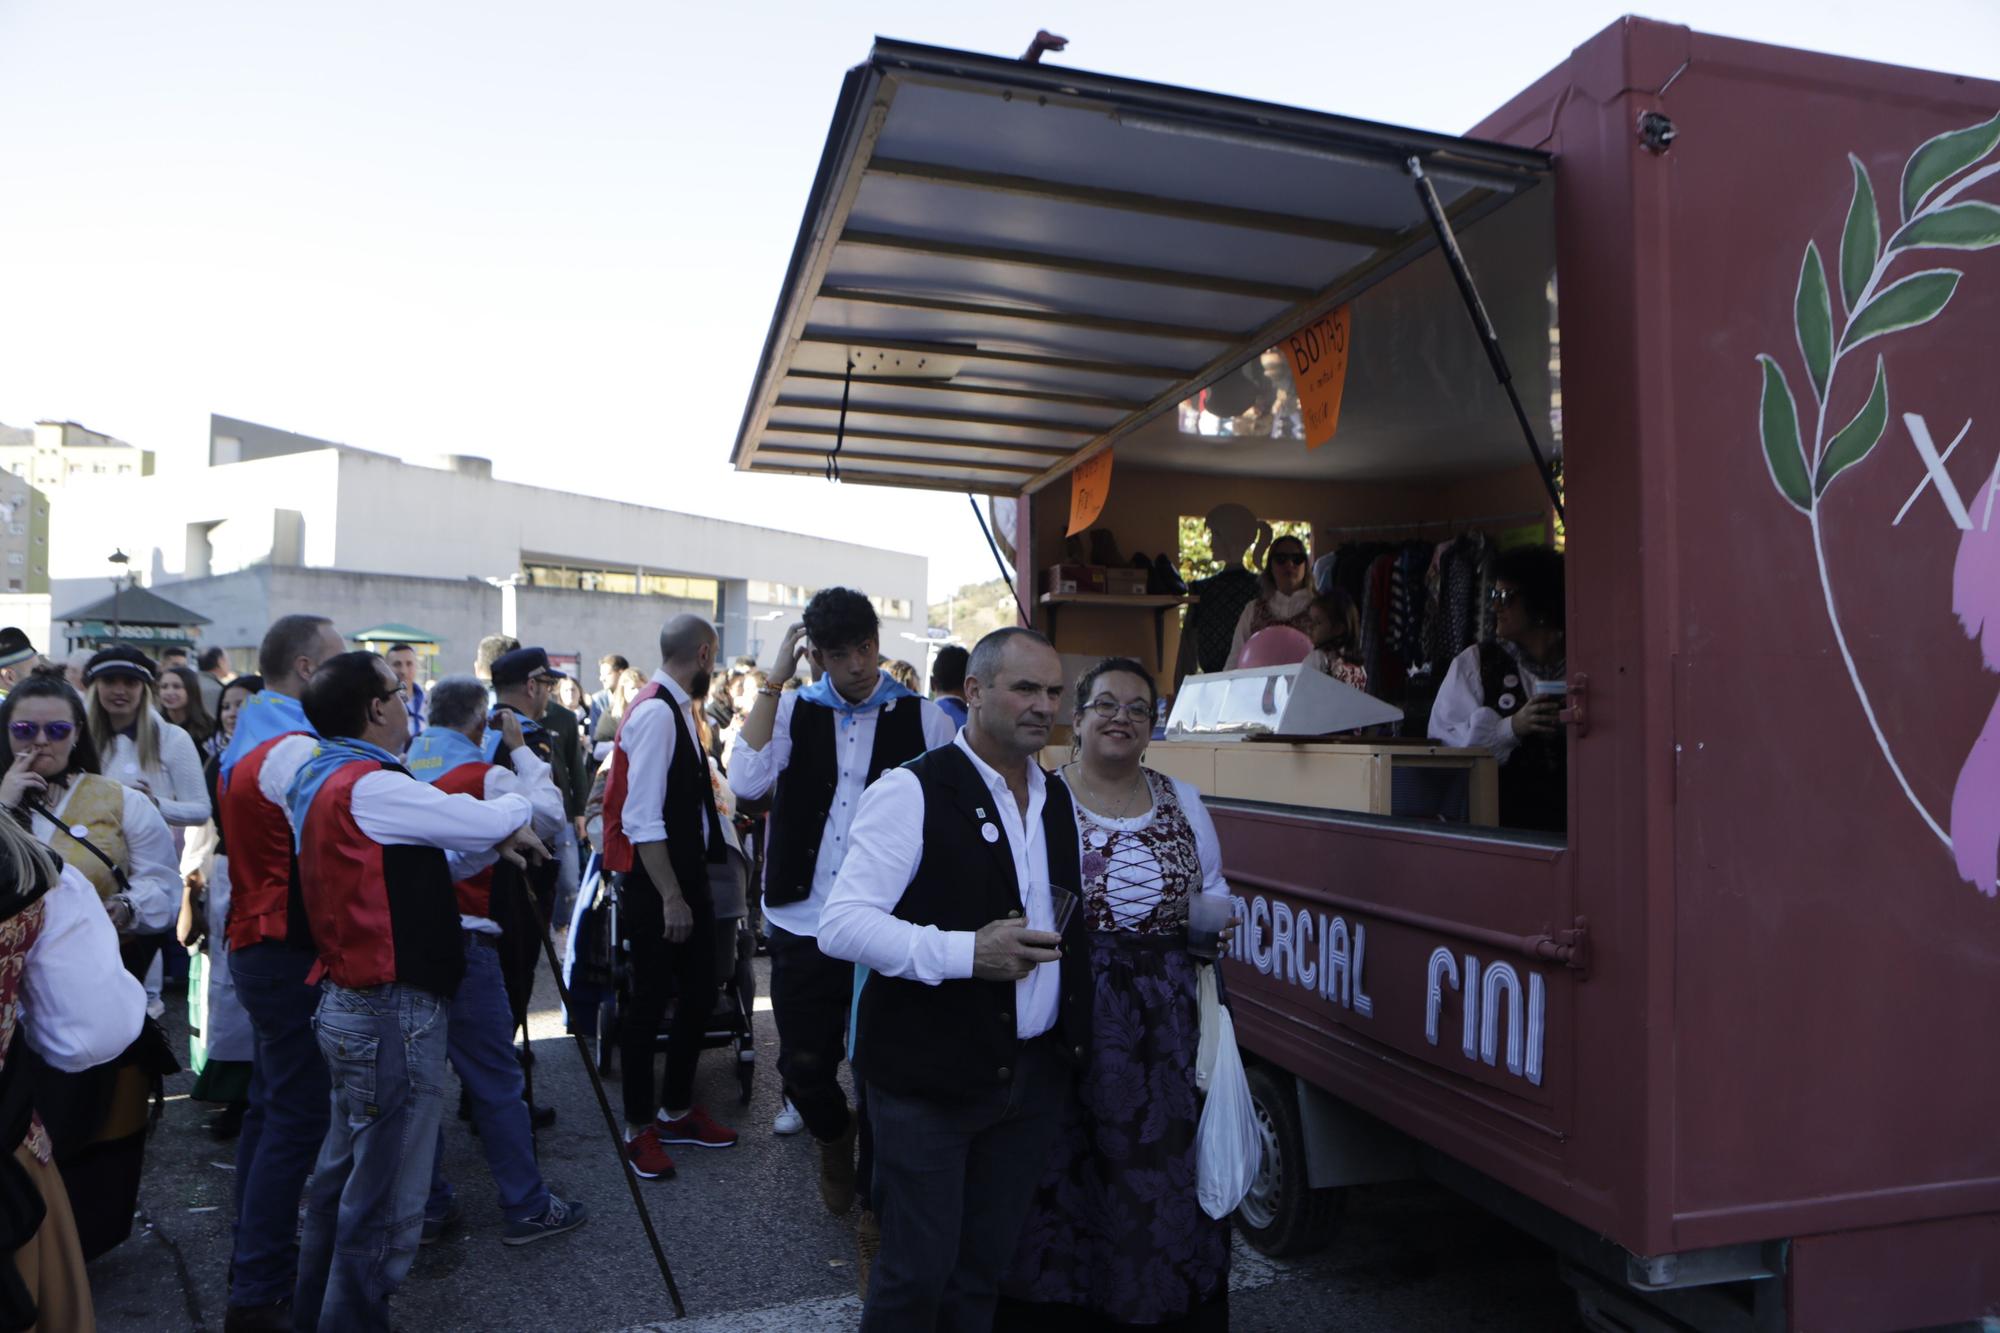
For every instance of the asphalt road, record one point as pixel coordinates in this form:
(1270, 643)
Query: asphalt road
(750, 1244)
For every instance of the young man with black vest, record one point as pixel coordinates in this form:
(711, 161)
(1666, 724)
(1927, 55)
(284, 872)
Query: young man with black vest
(375, 873)
(662, 832)
(456, 753)
(270, 955)
(976, 1010)
(821, 747)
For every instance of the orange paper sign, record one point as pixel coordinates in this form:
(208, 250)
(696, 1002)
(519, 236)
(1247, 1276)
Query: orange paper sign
(1089, 485)
(1318, 354)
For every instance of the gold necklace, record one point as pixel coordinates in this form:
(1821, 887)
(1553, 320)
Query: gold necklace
(1097, 800)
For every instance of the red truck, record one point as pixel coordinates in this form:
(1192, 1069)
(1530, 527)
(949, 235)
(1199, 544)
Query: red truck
(1734, 310)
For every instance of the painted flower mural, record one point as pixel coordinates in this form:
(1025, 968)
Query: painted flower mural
(1933, 214)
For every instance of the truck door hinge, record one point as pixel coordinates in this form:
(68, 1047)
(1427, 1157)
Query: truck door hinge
(1576, 714)
(1570, 947)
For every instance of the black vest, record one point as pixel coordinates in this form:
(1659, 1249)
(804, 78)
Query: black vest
(804, 793)
(690, 803)
(955, 1040)
(1534, 782)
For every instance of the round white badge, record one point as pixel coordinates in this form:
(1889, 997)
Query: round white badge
(79, 832)
(988, 832)
(1505, 701)
(1098, 837)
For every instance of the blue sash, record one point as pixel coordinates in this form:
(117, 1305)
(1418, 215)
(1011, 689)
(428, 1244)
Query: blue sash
(821, 692)
(327, 758)
(438, 750)
(264, 715)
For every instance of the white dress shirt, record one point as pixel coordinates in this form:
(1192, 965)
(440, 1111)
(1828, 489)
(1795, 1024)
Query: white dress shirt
(79, 1005)
(176, 782)
(885, 847)
(648, 739)
(151, 866)
(396, 810)
(533, 781)
(1460, 715)
(752, 773)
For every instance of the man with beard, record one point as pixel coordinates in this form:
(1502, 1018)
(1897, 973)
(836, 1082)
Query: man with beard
(662, 831)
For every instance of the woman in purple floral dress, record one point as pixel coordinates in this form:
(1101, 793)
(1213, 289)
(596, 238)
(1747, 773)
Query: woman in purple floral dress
(1115, 1236)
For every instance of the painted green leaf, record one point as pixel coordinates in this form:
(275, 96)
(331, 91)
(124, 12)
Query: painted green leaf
(1972, 226)
(1903, 305)
(1861, 240)
(1938, 160)
(1813, 318)
(1778, 424)
(1858, 436)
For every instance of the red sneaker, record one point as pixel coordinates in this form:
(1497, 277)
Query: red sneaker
(648, 1160)
(696, 1127)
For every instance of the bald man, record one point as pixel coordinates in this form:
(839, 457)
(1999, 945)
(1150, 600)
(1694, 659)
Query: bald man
(661, 829)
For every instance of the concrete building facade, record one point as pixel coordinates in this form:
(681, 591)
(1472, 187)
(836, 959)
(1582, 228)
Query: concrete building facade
(281, 522)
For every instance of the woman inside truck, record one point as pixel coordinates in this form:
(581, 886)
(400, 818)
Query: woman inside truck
(1284, 596)
(1504, 695)
(1115, 1235)
(1334, 626)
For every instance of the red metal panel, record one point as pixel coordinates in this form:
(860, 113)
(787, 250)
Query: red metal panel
(1901, 1277)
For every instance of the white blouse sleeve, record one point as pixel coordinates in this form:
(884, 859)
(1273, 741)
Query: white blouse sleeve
(1460, 718)
(151, 866)
(1207, 846)
(82, 1007)
(183, 796)
(1242, 633)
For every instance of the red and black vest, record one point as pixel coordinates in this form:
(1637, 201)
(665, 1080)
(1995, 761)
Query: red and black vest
(689, 803)
(379, 914)
(265, 902)
(804, 794)
(475, 895)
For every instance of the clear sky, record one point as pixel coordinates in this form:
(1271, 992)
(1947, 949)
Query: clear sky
(553, 234)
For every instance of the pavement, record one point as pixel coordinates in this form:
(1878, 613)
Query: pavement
(750, 1245)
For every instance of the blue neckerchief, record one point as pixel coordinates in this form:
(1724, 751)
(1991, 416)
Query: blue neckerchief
(264, 715)
(821, 692)
(327, 758)
(438, 750)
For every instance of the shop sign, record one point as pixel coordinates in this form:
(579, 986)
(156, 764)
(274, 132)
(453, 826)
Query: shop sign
(1318, 356)
(1089, 487)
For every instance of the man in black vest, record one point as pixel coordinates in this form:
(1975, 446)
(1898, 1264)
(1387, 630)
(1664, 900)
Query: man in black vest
(662, 832)
(976, 1010)
(821, 747)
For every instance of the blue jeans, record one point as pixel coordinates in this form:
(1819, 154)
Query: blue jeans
(481, 1048)
(952, 1187)
(385, 1048)
(286, 1121)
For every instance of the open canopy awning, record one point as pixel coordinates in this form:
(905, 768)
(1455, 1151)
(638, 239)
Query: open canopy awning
(1004, 267)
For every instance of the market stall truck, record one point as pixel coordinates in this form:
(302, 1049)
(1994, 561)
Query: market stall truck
(1725, 1039)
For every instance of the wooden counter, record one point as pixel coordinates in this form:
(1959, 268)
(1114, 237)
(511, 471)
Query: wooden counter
(1334, 775)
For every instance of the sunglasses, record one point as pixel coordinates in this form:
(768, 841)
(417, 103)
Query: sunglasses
(26, 732)
(1287, 558)
(1501, 596)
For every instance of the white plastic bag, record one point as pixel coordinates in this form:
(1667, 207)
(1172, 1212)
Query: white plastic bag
(1211, 1008)
(1228, 1147)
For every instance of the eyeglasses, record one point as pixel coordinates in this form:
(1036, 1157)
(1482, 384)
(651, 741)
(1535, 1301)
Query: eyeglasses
(1502, 596)
(1108, 709)
(25, 732)
(1287, 558)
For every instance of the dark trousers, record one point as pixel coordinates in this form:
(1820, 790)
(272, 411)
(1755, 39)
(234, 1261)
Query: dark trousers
(953, 1182)
(660, 971)
(810, 997)
(286, 1121)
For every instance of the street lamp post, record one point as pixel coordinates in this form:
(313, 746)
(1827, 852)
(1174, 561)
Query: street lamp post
(121, 560)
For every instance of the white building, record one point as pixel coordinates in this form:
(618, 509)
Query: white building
(279, 522)
(56, 452)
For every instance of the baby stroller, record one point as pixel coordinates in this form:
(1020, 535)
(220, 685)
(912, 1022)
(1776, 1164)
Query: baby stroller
(732, 1003)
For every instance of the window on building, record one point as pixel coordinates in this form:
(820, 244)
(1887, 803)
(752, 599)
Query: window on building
(16, 558)
(892, 608)
(13, 585)
(779, 594)
(584, 578)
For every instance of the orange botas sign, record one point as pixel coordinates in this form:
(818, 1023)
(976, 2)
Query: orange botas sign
(1089, 484)
(1318, 354)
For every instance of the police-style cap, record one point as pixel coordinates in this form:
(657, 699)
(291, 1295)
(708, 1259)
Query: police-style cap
(521, 665)
(14, 647)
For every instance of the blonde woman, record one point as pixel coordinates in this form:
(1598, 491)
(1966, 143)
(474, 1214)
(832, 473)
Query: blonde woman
(136, 745)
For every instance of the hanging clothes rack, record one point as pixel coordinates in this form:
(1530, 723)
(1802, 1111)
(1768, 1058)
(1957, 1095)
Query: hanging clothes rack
(1475, 521)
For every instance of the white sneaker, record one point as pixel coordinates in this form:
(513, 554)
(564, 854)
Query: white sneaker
(788, 1119)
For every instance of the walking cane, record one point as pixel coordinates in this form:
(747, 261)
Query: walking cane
(611, 1124)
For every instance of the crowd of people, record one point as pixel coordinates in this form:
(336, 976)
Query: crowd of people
(364, 868)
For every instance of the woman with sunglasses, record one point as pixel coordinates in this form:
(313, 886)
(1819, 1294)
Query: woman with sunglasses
(1493, 696)
(221, 1049)
(114, 837)
(1115, 1235)
(1284, 596)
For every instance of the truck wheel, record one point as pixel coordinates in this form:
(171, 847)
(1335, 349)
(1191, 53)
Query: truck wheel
(1282, 1215)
